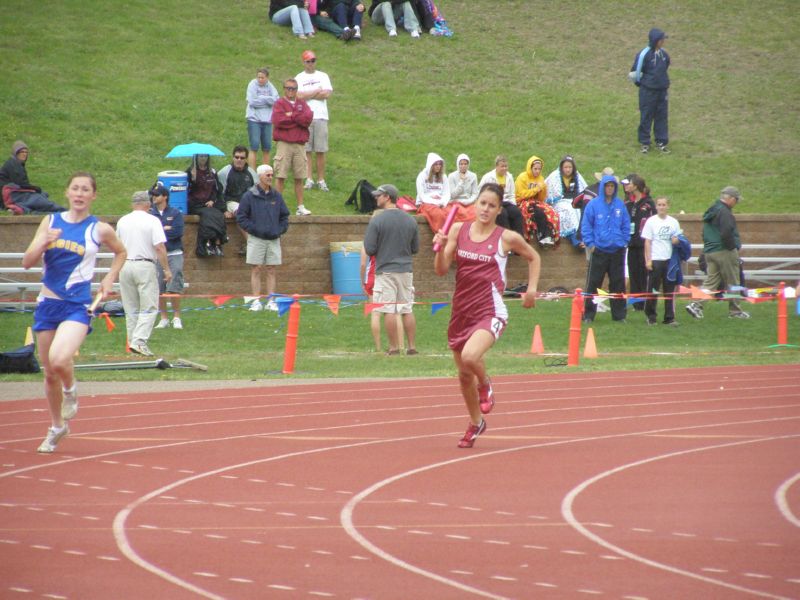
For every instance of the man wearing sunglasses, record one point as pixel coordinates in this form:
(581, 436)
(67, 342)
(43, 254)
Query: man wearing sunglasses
(291, 118)
(235, 179)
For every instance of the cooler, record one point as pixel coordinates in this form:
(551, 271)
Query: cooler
(177, 182)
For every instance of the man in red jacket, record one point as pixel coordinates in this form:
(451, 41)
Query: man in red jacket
(291, 118)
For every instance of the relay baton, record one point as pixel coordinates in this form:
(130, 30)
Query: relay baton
(95, 303)
(448, 222)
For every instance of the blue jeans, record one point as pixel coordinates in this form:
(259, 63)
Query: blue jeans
(259, 134)
(299, 19)
(387, 15)
(346, 17)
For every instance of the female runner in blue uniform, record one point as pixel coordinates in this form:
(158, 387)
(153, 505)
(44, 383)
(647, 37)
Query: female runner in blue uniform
(480, 249)
(68, 243)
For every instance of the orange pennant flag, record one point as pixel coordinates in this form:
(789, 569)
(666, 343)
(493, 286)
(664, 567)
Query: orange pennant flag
(333, 302)
(110, 326)
(220, 300)
(698, 294)
(684, 290)
(370, 306)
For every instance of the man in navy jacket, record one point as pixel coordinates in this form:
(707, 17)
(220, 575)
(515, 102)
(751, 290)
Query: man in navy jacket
(264, 216)
(649, 73)
(172, 222)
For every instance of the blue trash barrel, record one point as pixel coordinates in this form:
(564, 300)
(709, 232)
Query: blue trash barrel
(346, 268)
(177, 182)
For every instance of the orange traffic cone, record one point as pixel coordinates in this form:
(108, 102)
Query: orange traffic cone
(590, 349)
(537, 347)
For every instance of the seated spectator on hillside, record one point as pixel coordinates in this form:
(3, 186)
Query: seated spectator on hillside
(20, 196)
(389, 12)
(510, 215)
(433, 192)
(347, 14)
(640, 207)
(294, 13)
(205, 200)
(541, 221)
(235, 179)
(563, 186)
(464, 186)
(322, 21)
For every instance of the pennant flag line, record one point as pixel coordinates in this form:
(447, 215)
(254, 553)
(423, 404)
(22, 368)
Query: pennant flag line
(370, 306)
(220, 300)
(332, 300)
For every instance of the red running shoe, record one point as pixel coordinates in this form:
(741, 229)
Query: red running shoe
(473, 431)
(486, 397)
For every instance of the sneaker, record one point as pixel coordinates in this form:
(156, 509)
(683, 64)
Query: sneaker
(486, 397)
(302, 211)
(323, 186)
(141, 349)
(256, 306)
(645, 149)
(672, 323)
(177, 323)
(546, 241)
(392, 33)
(347, 34)
(415, 34)
(357, 32)
(69, 403)
(652, 322)
(309, 184)
(302, 37)
(473, 431)
(739, 315)
(218, 251)
(163, 324)
(54, 436)
(663, 148)
(694, 309)
(272, 305)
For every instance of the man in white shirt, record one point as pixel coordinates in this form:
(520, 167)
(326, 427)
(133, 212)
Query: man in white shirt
(660, 234)
(315, 88)
(144, 239)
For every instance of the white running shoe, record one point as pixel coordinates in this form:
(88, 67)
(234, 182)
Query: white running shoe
(302, 211)
(309, 184)
(323, 186)
(177, 323)
(415, 34)
(69, 403)
(256, 306)
(357, 34)
(272, 305)
(141, 349)
(54, 436)
(163, 324)
(392, 33)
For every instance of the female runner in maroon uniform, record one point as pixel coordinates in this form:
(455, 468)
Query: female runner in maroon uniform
(480, 249)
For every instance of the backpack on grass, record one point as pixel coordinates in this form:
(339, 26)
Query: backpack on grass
(21, 360)
(361, 198)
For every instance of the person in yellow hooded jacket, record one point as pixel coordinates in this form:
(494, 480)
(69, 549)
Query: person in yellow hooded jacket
(541, 221)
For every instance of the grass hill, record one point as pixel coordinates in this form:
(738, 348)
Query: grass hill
(112, 86)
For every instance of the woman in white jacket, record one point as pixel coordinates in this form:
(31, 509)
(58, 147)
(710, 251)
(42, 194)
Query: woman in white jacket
(433, 192)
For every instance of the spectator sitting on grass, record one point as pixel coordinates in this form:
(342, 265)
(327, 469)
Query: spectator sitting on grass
(433, 192)
(294, 13)
(389, 12)
(325, 19)
(22, 196)
(463, 183)
(563, 186)
(541, 221)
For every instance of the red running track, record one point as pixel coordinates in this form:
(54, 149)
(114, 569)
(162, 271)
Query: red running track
(632, 485)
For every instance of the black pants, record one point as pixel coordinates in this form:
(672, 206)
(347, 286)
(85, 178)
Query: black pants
(657, 278)
(653, 112)
(637, 273)
(510, 217)
(600, 264)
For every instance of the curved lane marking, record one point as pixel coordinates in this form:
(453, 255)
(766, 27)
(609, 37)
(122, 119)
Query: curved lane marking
(783, 503)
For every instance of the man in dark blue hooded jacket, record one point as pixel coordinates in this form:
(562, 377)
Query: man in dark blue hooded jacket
(649, 73)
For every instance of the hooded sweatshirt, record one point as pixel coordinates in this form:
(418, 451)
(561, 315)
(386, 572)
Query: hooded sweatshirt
(650, 65)
(527, 186)
(432, 192)
(558, 187)
(260, 100)
(13, 170)
(719, 229)
(606, 224)
(463, 190)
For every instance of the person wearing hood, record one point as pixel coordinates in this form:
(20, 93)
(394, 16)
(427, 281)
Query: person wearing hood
(606, 230)
(640, 207)
(14, 171)
(563, 186)
(205, 200)
(23, 195)
(649, 74)
(463, 187)
(433, 192)
(721, 245)
(541, 221)
(510, 215)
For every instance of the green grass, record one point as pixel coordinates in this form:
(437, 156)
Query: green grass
(111, 87)
(238, 344)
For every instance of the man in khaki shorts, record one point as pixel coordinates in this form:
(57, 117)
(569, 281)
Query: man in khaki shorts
(291, 118)
(315, 87)
(393, 239)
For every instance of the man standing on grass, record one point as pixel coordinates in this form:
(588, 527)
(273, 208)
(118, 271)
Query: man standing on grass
(143, 237)
(263, 215)
(393, 238)
(172, 221)
(291, 117)
(649, 74)
(721, 246)
(315, 88)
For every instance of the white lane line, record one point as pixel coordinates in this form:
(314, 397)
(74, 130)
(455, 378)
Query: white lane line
(216, 536)
(569, 500)
(535, 547)
(206, 574)
(21, 590)
(359, 557)
(318, 593)
(240, 580)
(34, 508)
(108, 558)
(497, 542)
(75, 552)
(41, 547)
(99, 488)
(757, 575)
(685, 535)
(593, 592)
(323, 552)
(714, 570)
(611, 557)
(454, 536)
(783, 503)
(503, 578)
(419, 532)
(256, 480)
(285, 547)
(277, 586)
(573, 552)
(316, 518)
(54, 596)
(544, 584)
(253, 542)
(461, 572)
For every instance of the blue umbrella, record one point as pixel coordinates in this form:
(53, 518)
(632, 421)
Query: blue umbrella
(185, 150)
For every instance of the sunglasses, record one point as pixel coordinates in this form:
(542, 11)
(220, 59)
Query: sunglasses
(290, 88)
(310, 60)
